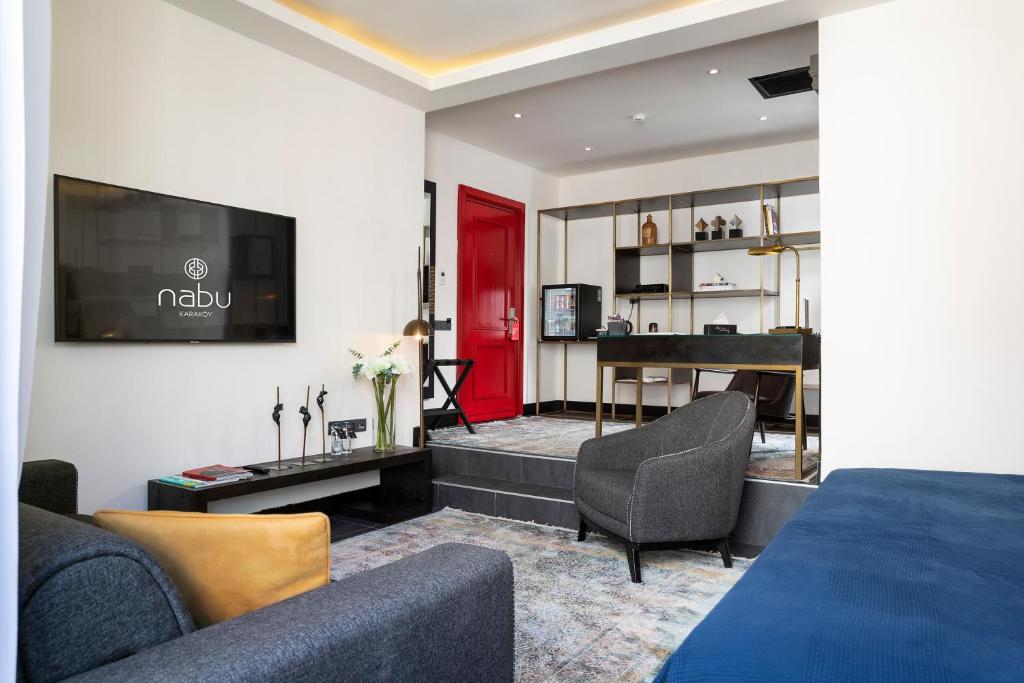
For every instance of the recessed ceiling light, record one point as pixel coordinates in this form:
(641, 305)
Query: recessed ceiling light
(712, 72)
(517, 115)
(586, 149)
(763, 118)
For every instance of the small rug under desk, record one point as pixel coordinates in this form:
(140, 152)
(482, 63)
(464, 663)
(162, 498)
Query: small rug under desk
(561, 438)
(578, 616)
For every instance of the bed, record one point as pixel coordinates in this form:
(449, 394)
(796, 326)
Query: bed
(882, 575)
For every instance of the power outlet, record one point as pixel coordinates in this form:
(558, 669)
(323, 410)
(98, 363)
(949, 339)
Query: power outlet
(354, 425)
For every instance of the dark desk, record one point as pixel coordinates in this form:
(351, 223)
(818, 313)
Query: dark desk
(404, 489)
(779, 352)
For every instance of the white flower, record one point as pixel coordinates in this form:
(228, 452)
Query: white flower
(377, 365)
(400, 365)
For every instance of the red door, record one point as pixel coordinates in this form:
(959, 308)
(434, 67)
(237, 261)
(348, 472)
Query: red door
(490, 306)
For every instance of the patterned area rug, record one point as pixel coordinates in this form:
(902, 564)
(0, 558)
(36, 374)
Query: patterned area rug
(578, 616)
(561, 438)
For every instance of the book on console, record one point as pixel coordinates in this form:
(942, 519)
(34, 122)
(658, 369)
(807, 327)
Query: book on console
(186, 482)
(217, 473)
(189, 483)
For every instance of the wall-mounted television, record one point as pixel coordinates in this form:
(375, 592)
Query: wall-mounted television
(137, 266)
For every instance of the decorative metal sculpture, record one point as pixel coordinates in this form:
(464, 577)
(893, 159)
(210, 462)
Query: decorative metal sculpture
(323, 423)
(734, 227)
(306, 417)
(701, 226)
(717, 225)
(324, 455)
(276, 417)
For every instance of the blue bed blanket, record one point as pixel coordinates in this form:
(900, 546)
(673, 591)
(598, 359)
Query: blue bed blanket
(882, 575)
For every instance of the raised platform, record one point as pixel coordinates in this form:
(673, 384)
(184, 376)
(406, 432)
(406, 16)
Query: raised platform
(523, 469)
(560, 438)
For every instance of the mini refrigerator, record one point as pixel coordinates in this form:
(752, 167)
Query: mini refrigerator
(570, 312)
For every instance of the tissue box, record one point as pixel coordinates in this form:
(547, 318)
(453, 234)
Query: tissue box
(718, 328)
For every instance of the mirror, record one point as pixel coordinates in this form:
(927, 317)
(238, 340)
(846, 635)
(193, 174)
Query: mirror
(429, 241)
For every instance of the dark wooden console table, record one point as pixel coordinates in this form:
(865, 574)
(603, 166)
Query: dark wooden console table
(794, 353)
(404, 490)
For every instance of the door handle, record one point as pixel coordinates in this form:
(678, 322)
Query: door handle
(513, 325)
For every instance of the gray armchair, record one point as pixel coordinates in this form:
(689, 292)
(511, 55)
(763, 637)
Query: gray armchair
(673, 483)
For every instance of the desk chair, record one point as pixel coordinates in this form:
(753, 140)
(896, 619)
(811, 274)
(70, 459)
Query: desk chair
(771, 392)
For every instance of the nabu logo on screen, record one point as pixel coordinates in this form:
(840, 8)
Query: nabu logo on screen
(191, 300)
(196, 268)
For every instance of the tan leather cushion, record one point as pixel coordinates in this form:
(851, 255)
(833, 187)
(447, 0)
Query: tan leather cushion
(228, 565)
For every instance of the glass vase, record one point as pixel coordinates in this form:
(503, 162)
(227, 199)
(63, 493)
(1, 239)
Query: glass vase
(384, 425)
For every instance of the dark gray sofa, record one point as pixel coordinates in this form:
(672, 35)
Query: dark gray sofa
(673, 483)
(94, 606)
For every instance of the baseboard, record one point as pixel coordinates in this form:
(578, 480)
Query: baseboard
(623, 410)
(587, 407)
(628, 410)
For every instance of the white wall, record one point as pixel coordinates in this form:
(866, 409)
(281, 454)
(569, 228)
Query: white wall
(450, 163)
(921, 148)
(150, 96)
(759, 164)
(590, 260)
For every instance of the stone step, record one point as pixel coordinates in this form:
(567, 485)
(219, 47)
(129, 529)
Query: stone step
(504, 498)
(519, 468)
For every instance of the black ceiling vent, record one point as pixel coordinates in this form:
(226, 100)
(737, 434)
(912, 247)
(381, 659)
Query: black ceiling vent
(783, 83)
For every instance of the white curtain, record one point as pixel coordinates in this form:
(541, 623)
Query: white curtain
(24, 162)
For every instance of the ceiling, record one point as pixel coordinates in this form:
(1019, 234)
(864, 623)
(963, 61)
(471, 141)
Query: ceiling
(689, 112)
(443, 35)
(397, 47)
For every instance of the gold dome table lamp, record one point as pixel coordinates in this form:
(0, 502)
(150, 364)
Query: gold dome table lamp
(420, 330)
(772, 250)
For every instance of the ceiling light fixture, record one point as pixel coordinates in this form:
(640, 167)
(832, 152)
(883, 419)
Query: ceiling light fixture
(763, 118)
(517, 115)
(586, 149)
(639, 118)
(712, 72)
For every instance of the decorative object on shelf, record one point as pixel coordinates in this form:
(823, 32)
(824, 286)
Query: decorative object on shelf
(734, 227)
(718, 283)
(771, 250)
(652, 328)
(651, 289)
(383, 372)
(420, 329)
(701, 226)
(717, 228)
(648, 233)
(324, 455)
(771, 219)
(306, 417)
(276, 416)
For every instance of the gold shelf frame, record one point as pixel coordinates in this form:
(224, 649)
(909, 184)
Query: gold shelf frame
(596, 210)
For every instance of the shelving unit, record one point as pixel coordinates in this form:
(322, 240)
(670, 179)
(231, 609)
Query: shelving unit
(631, 261)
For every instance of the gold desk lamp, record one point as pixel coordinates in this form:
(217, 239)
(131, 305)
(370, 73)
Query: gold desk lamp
(774, 249)
(419, 329)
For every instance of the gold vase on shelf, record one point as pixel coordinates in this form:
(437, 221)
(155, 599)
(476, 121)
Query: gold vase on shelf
(648, 233)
